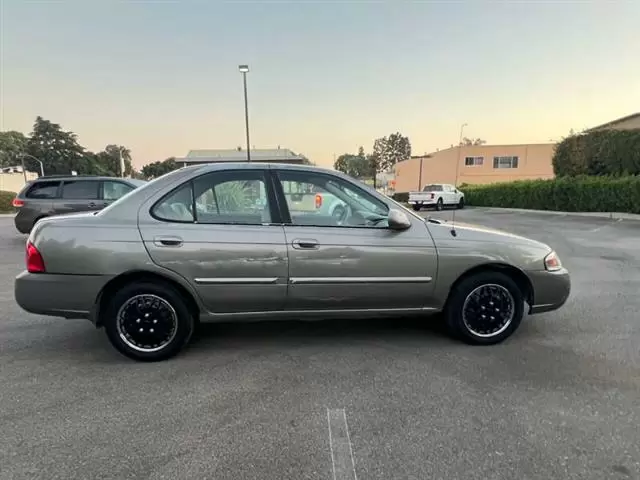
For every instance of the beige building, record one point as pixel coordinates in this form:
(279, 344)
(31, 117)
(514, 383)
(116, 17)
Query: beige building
(476, 164)
(14, 181)
(483, 164)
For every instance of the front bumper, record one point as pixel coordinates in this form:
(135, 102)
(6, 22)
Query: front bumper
(68, 296)
(550, 290)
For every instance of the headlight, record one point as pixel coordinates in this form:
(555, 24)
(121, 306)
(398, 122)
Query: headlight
(552, 262)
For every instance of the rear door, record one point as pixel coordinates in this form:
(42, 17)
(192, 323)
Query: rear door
(222, 233)
(39, 197)
(78, 195)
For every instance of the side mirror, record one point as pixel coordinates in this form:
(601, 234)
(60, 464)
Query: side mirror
(398, 220)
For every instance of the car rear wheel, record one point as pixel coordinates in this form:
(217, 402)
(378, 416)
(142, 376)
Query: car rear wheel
(148, 321)
(485, 308)
(439, 204)
(416, 207)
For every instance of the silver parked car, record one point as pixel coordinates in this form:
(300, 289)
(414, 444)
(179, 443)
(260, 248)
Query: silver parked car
(223, 242)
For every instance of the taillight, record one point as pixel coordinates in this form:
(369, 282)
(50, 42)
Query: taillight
(35, 263)
(433, 196)
(17, 202)
(318, 200)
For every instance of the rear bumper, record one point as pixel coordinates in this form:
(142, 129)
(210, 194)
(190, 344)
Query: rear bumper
(423, 202)
(68, 296)
(550, 290)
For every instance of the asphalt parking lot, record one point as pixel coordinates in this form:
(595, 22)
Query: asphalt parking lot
(558, 400)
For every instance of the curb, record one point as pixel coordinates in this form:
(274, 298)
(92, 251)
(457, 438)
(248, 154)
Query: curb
(608, 215)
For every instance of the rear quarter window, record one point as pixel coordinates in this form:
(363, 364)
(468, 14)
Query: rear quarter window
(43, 190)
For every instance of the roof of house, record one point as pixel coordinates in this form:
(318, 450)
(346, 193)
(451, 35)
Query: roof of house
(614, 122)
(235, 155)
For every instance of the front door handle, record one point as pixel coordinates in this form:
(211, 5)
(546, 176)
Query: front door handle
(305, 244)
(167, 241)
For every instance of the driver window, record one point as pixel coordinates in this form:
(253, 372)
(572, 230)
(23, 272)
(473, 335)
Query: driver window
(327, 201)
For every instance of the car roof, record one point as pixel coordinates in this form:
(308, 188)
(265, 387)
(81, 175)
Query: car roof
(80, 177)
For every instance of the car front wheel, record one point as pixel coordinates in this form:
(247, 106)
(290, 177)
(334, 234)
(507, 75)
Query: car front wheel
(485, 308)
(148, 321)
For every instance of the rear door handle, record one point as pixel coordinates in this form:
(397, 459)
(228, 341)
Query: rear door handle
(167, 241)
(305, 244)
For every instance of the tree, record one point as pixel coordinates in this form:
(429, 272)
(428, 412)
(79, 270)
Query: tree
(12, 144)
(157, 169)
(387, 151)
(467, 142)
(356, 166)
(58, 150)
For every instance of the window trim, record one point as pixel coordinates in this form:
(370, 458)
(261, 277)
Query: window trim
(474, 158)
(284, 206)
(63, 182)
(273, 209)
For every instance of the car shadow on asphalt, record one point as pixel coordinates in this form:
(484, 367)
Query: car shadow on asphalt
(330, 332)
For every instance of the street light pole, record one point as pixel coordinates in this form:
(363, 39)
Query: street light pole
(22, 155)
(245, 69)
(459, 153)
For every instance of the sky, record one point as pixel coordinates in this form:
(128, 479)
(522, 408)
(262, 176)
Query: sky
(161, 77)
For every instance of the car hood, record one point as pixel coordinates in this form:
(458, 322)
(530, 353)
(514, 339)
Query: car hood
(479, 233)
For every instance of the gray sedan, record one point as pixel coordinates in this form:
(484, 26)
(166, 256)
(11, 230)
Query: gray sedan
(226, 242)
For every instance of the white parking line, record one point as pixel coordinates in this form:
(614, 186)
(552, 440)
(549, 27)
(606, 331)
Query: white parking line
(344, 467)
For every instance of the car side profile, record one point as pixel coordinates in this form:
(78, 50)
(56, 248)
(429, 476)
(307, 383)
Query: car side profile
(61, 194)
(229, 242)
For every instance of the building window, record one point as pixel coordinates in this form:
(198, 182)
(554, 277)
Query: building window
(505, 162)
(473, 161)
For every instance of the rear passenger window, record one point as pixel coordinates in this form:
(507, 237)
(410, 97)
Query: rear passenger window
(43, 190)
(80, 190)
(231, 197)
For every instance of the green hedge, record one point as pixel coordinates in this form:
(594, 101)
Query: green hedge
(569, 194)
(605, 152)
(5, 201)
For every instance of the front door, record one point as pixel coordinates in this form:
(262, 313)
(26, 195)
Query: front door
(220, 232)
(352, 260)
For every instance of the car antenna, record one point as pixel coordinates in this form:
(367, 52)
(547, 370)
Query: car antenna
(455, 183)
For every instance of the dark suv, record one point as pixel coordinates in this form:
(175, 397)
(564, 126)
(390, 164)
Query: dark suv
(60, 194)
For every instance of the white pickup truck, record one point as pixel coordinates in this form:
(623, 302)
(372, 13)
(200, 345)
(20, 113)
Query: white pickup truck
(437, 195)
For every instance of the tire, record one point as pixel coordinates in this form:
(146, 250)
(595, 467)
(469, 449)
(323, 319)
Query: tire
(484, 291)
(416, 208)
(439, 205)
(148, 299)
(461, 203)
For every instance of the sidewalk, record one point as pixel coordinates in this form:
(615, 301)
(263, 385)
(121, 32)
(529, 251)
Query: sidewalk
(609, 215)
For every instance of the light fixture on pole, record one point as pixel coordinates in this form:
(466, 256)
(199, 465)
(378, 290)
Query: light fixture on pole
(244, 69)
